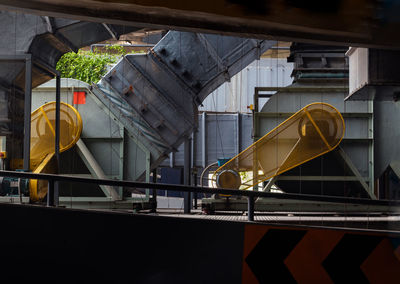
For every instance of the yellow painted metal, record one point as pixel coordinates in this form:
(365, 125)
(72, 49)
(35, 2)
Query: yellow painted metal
(43, 141)
(314, 130)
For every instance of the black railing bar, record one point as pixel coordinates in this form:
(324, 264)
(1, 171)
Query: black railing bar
(185, 188)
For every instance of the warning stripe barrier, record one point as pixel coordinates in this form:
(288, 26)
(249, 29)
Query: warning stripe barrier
(311, 255)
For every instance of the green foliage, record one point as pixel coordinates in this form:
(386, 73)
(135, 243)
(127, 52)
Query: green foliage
(115, 49)
(88, 66)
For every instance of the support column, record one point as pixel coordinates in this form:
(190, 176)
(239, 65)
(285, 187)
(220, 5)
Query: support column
(204, 139)
(154, 192)
(27, 112)
(187, 202)
(57, 136)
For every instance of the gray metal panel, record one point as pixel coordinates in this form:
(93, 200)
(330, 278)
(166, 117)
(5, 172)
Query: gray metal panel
(246, 122)
(149, 101)
(221, 134)
(357, 150)
(387, 134)
(106, 155)
(222, 139)
(358, 128)
(173, 90)
(291, 102)
(206, 61)
(18, 31)
(129, 118)
(83, 33)
(135, 159)
(97, 124)
(236, 95)
(9, 71)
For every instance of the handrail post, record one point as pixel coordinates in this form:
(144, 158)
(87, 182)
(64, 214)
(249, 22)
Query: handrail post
(50, 193)
(154, 192)
(250, 208)
(187, 202)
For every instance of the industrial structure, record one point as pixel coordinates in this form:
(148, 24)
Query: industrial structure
(239, 145)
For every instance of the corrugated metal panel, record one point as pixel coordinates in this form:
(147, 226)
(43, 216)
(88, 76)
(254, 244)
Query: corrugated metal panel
(236, 95)
(358, 68)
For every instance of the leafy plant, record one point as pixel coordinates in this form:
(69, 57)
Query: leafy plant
(89, 66)
(115, 49)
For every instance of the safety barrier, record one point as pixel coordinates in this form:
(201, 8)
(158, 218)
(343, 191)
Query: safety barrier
(250, 194)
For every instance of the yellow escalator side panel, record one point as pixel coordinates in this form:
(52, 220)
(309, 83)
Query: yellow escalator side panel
(314, 130)
(38, 188)
(43, 138)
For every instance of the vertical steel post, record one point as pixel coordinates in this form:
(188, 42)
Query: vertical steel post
(121, 159)
(27, 112)
(204, 139)
(250, 208)
(57, 136)
(195, 193)
(255, 137)
(154, 192)
(171, 159)
(192, 159)
(50, 193)
(371, 162)
(57, 121)
(148, 171)
(187, 204)
(238, 133)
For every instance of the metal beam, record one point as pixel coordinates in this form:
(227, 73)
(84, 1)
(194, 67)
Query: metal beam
(131, 185)
(27, 112)
(276, 205)
(270, 183)
(110, 31)
(50, 24)
(323, 178)
(95, 169)
(301, 89)
(355, 171)
(344, 24)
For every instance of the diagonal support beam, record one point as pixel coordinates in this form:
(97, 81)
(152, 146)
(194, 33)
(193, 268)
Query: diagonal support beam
(355, 171)
(96, 170)
(110, 31)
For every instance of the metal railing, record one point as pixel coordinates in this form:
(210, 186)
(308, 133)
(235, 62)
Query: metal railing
(250, 194)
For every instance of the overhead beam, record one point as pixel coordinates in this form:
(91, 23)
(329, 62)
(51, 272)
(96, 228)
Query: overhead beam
(358, 23)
